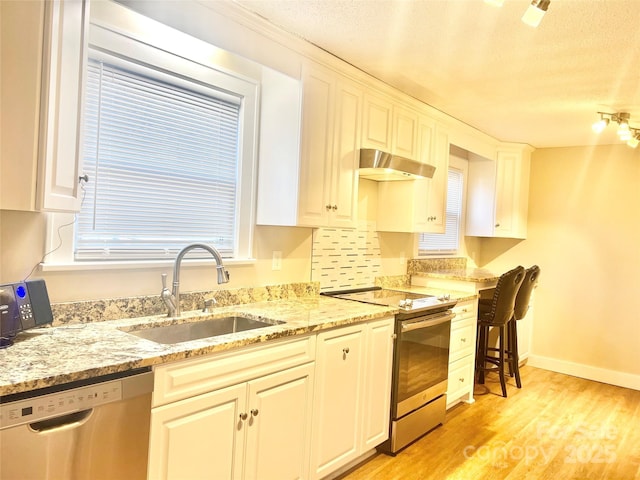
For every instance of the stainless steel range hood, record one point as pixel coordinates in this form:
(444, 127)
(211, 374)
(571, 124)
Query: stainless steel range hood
(382, 166)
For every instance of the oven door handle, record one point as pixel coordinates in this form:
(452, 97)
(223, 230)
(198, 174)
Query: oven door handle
(427, 322)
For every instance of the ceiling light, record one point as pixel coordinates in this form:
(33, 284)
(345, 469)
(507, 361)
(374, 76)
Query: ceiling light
(601, 124)
(535, 12)
(495, 3)
(626, 133)
(623, 129)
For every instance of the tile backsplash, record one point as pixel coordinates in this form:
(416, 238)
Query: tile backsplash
(345, 258)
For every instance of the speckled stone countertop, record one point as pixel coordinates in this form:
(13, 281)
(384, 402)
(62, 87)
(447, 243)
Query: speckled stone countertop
(51, 356)
(454, 268)
(478, 275)
(75, 351)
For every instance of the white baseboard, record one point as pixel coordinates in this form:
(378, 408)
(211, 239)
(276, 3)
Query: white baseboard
(612, 377)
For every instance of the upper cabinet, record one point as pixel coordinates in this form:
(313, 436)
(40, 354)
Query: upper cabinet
(389, 127)
(43, 58)
(498, 193)
(325, 191)
(418, 205)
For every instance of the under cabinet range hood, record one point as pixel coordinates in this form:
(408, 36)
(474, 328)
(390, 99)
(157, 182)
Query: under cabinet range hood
(382, 166)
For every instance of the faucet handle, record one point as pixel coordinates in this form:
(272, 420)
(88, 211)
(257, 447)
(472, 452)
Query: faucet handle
(208, 304)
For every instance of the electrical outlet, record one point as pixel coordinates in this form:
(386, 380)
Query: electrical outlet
(276, 261)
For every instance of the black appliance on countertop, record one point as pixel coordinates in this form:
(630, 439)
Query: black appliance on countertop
(23, 305)
(420, 360)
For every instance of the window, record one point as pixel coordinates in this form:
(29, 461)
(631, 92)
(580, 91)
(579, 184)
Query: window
(163, 159)
(169, 146)
(448, 242)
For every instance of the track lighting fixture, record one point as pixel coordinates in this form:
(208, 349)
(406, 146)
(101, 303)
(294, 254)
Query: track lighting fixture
(533, 15)
(626, 133)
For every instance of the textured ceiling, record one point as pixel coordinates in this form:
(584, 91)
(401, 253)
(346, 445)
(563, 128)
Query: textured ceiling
(482, 65)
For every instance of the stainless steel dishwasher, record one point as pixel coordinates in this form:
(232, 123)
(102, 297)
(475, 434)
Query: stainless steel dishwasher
(91, 429)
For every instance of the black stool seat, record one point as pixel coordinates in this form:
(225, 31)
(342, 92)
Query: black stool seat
(498, 315)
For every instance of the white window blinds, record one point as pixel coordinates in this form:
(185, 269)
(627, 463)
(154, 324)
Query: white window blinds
(448, 242)
(163, 165)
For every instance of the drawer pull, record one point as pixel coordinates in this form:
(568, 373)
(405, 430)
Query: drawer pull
(254, 412)
(463, 340)
(243, 416)
(345, 350)
(461, 379)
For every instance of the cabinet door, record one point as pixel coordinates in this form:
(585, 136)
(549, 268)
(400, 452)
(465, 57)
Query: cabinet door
(404, 136)
(437, 196)
(506, 184)
(337, 394)
(376, 123)
(279, 433)
(377, 392)
(346, 155)
(66, 28)
(199, 438)
(317, 134)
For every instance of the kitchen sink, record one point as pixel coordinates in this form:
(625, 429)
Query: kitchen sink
(185, 332)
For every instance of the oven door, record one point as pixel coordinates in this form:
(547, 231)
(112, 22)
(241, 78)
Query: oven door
(421, 363)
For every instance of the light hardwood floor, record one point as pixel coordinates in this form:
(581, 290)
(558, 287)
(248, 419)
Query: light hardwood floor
(556, 427)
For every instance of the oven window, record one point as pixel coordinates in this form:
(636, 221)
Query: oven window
(423, 359)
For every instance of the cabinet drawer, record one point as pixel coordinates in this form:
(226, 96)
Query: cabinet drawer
(460, 379)
(187, 378)
(463, 339)
(464, 310)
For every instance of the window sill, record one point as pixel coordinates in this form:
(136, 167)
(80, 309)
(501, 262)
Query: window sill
(135, 265)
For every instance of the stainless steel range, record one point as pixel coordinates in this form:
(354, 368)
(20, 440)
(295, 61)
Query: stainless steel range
(420, 364)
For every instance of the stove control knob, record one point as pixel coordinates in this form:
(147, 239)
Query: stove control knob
(406, 303)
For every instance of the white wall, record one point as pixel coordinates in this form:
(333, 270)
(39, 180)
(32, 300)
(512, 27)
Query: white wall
(584, 233)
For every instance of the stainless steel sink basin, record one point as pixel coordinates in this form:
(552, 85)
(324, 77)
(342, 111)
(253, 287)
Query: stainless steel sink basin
(185, 332)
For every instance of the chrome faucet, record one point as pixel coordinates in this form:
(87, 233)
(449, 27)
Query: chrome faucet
(172, 298)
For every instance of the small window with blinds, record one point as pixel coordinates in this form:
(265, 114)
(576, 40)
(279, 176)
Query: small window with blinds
(163, 163)
(447, 243)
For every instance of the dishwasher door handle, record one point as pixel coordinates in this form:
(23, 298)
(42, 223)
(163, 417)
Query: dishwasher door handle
(63, 422)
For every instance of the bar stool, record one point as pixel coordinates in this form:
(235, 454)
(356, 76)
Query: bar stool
(499, 315)
(523, 299)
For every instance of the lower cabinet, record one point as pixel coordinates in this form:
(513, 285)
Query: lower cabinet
(271, 412)
(258, 428)
(352, 396)
(462, 351)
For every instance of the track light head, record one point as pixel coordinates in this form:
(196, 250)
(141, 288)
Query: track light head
(533, 15)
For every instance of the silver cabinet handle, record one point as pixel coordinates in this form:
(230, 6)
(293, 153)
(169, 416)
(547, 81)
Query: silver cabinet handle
(254, 412)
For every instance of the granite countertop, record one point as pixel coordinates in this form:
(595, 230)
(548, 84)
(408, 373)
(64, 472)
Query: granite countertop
(55, 355)
(478, 275)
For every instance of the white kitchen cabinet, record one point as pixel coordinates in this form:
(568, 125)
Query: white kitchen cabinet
(352, 395)
(338, 395)
(498, 193)
(325, 191)
(238, 415)
(462, 353)
(377, 397)
(43, 58)
(418, 205)
(390, 127)
(377, 123)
